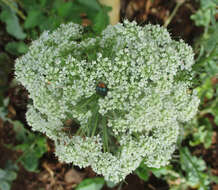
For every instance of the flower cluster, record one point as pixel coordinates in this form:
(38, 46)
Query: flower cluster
(148, 95)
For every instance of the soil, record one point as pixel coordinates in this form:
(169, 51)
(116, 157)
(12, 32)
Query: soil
(59, 176)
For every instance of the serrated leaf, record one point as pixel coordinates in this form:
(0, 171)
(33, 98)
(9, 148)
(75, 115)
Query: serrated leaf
(202, 17)
(194, 168)
(12, 23)
(91, 184)
(16, 48)
(33, 147)
(207, 4)
(191, 163)
(203, 134)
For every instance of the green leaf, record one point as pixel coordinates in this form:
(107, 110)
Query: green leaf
(91, 184)
(30, 161)
(216, 120)
(214, 108)
(11, 166)
(49, 24)
(22, 147)
(34, 18)
(202, 17)
(143, 172)
(4, 185)
(12, 23)
(194, 168)
(69, 11)
(29, 5)
(191, 163)
(21, 132)
(211, 40)
(16, 48)
(32, 145)
(205, 89)
(65, 9)
(158, 172)
(11, 175)
(101, 20)
(214, 179)
(203, 134)
(91, 4)
(40, 147)
(43, 3)
(33, 148)
(207, 4)
(7, 176)
(2, 173)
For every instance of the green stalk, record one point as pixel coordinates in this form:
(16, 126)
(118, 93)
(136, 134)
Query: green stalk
(170, 18)
(105, 135)
(20, 13)
(86, 102)
(96, 116)
(83, 104)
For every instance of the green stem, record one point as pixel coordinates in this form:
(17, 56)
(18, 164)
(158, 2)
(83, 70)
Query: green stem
(20, 13)
(79, 131)
(96, 116)
(105, 134)
(85, 102)
(120, 186)
(178, 4)
(205, 111)
(89, 127)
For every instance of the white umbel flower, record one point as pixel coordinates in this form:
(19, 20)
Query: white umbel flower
(127, 89)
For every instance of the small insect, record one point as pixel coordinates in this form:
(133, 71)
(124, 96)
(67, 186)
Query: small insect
(101, 89)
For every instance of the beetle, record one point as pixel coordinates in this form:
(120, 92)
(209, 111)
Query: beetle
(101, 89)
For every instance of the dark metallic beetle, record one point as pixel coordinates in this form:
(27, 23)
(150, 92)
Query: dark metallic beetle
(101, 89)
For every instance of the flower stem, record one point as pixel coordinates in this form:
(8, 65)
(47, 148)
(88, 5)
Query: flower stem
(96, 118)
(20, 13)
(178, 4)
(105, 134)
